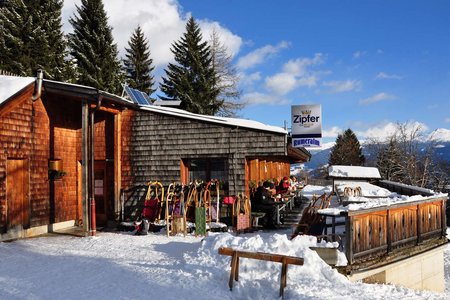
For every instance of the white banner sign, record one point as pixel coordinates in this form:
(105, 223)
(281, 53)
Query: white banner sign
(306, 125)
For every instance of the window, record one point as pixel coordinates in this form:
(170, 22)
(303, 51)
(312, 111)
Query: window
(207, 168)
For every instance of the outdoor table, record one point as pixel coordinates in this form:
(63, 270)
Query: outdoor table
(282, 204)
(331, 213)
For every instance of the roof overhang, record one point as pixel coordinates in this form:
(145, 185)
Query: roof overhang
(298, 155)
(81, 92)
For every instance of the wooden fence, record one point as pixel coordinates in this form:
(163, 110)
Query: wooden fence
(379, 231)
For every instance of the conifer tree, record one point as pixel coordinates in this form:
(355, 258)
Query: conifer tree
(13, 37)
(92, 46)
(138, 64)
(192, 79)
(32, 37)
(347, 150)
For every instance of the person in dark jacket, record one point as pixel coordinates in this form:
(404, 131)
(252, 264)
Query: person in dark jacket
(263, 202)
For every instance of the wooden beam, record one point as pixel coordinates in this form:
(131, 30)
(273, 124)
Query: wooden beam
(117, 162)
(105, 109)
(84, 164)
(263, 256)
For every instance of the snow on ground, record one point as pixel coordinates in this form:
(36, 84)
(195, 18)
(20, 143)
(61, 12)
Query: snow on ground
(124, 266)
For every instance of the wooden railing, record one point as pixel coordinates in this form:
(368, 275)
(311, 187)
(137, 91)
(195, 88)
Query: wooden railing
(379, 231)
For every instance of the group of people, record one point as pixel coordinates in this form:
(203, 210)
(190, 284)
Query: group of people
(268, 196)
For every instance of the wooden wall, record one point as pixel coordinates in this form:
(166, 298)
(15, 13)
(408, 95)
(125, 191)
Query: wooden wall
(22, 124)
(50, 128)
(261, 169)
(127, 170)
(381, 230)
(160, 141)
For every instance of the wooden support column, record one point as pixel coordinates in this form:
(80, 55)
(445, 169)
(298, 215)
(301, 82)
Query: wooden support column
(419, 224)
(84, 165)
(117, 163)
(388, 231)
(349, 239)
(443, 218)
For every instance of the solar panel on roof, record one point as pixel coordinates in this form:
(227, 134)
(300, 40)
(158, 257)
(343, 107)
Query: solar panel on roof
(140, 98)
(137, 96)
(130, 94)
(147, 97)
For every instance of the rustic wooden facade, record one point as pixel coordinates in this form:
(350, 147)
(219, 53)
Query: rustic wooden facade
(165, 141)
(395, 231)
(38, 130)
(104, 143)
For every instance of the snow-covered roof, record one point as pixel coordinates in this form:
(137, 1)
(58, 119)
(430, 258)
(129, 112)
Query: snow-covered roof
(11, 85)
(214, 119)
(353, 172)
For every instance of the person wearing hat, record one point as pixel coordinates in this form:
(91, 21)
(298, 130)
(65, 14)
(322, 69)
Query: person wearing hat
(263, 202)
(284, 186)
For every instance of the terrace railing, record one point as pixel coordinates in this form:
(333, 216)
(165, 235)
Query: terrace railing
(383, 231)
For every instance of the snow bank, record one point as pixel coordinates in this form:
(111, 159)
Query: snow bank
(123, 266)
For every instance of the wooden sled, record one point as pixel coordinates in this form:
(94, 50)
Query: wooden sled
(311, 223)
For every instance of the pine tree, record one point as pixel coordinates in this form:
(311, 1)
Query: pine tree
(14, 35)
(227, 78)
(32, 38)
(93, 47)
(51, 50)
(138, 64)
(347, 150)
(193, 79)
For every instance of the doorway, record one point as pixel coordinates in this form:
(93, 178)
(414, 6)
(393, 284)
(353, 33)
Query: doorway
(100, 192)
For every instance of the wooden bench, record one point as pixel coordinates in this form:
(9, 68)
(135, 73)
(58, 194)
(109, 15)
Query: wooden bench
(283, 259)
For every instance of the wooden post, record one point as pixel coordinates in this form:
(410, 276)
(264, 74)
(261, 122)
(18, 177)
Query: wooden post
(443, 218)
(349, 238)
(388, 232)
(117, 163)
(233, 269)
(283, 280)
(419, 225)
(84, 165)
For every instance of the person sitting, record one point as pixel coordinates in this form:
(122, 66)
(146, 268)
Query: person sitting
(263, 202)
(293, 182)
(284, 186)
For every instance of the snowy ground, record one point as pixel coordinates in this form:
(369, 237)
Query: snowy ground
(123, 266)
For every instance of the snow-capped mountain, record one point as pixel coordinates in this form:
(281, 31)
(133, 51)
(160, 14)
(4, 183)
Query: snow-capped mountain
(440, 135)
(319, 157)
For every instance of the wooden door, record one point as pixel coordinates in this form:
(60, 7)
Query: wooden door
(100, 192)
(17, 187)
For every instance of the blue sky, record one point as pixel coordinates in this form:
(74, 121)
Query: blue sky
(369, 64)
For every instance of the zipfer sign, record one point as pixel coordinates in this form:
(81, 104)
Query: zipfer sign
(306, 125)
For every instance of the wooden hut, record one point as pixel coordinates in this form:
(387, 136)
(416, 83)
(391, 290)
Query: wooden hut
(68, 150)
(50, 166)
(170, 144)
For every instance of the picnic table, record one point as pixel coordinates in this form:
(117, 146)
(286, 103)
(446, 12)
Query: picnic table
(285, 201)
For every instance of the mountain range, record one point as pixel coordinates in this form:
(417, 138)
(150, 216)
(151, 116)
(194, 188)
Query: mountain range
(320, 157)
